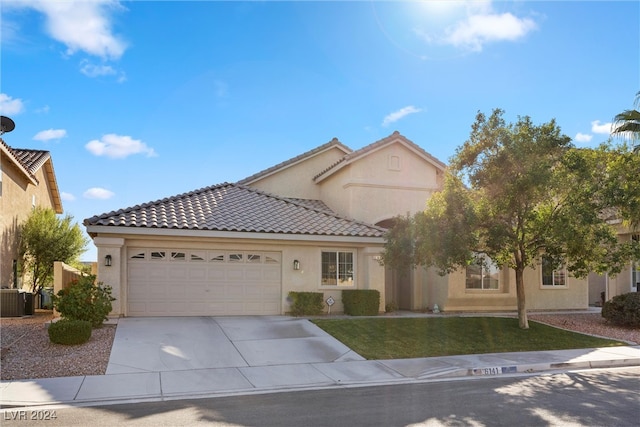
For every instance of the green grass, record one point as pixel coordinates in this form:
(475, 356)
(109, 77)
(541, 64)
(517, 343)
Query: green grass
(401, 338)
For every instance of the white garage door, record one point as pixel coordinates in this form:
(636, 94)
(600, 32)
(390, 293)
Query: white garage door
(176, 282)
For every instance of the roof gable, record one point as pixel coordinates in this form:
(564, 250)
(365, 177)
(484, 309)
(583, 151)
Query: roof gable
(29, 162)
(394, 138)
(334, 143)
(235, 207)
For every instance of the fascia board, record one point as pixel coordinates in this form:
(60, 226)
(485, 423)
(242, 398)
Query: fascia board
(172, 232)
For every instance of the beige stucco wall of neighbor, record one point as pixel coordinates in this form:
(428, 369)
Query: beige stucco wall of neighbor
(17, 198)
(389, 182)
(369, 274)
(296, 181)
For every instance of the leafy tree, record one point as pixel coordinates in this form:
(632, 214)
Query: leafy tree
(513, 192)
(628, 123)
(45, 238)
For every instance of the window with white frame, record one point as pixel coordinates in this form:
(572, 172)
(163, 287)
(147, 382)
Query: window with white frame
(483, 273)
(337, 268)
(553, 275)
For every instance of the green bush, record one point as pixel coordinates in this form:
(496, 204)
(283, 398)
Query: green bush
(306, 303)
(623, 309)
(85, 300)
(361, 302)
(70, 332)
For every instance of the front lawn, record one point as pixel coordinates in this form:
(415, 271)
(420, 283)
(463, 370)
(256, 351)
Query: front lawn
(402, 338)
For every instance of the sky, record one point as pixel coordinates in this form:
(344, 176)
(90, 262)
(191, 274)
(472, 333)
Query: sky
(142, 100)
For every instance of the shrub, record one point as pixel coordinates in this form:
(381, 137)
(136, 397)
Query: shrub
(390, 307)
(623, 309)
(361, 302)
(85, 300)
(306, 303)
(70, 332)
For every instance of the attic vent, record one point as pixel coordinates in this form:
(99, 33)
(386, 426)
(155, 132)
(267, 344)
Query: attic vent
(394, 163)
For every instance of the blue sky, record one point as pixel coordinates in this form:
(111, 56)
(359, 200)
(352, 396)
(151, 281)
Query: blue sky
(143, 100)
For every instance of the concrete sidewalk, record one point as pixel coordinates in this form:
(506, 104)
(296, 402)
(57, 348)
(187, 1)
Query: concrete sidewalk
(149, 386)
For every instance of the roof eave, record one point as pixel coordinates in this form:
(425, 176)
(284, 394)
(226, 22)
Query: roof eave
(94, 230)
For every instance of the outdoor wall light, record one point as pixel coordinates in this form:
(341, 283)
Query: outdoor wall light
(107, 261)
(296, 264)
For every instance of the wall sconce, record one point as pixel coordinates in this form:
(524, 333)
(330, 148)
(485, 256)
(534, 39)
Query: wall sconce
(107, 261)
(296, 264)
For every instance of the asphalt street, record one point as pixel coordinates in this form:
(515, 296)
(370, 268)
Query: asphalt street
(608, 397)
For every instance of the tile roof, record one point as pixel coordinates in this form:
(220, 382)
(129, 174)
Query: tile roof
(235, 207)
(17, 158)
(32, 159)
(333, 143)
(372, 147)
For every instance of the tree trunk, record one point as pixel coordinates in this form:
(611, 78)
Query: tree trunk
(522, 306)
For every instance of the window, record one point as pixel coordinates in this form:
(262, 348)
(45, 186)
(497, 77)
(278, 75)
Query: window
(256, 258)
(483, 273)
(178, 256)
(235, 257)
(551, 276)
(337, 268)
(157, 255)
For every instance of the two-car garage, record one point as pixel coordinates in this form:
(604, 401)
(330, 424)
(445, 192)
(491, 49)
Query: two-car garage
(198, 282)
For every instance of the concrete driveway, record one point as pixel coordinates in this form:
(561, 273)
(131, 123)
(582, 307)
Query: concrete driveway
(164, 344)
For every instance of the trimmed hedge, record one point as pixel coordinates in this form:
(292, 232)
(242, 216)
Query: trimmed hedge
(623, 309)
(306, 303)
(70, 332)
(361, 302)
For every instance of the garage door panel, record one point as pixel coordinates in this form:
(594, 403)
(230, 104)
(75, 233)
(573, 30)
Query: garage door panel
(183, 283)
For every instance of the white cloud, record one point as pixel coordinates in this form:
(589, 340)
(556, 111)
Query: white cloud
(397, 115)
(67, 197)
(98, 193)
(8, 105)
(583, 137)
(477, 30)
(118, 146)
(603, 128)
(92, 70)
(49, 134)
(43, 110)
(82, 25)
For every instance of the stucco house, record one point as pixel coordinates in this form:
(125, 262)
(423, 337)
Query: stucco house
(27, 180)
(316, 223)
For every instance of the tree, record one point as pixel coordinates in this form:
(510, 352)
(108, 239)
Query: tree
(512, 193)
(628, 123)
(45, 238)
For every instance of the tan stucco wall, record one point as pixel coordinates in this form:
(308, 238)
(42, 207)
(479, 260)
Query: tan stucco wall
(373, 189)
(296, 181)
(572, 297)
(461, 299)
(16, 202)
(369, 274)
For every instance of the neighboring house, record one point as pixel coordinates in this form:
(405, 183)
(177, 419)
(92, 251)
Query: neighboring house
(313, 223)
(27, 180)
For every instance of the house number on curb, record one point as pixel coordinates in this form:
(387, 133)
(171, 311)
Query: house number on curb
(330, 301)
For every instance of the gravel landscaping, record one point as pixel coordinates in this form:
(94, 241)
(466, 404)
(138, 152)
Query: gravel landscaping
(27, 352)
